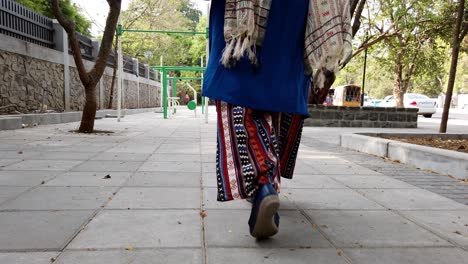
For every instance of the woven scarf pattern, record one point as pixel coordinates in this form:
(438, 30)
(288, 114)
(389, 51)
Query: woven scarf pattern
(327, 40)
(245, 23)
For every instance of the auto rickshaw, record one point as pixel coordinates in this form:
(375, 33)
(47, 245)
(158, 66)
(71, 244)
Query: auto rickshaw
(347, 95)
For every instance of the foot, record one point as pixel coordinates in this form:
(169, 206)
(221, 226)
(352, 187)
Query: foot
(264, 219)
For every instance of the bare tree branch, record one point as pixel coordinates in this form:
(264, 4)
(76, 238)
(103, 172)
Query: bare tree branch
(69, 27)
(354, 3)
(369, 43)
(357, 17)
(106, 44)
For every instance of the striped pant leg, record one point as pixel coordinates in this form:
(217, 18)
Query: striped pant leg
(247, 151)
(289, 139)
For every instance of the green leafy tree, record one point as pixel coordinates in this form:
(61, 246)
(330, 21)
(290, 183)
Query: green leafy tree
(189, 11)
(159, 15)
(412, 50)
(69, 10)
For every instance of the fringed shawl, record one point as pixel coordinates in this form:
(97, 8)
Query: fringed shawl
(327, 39)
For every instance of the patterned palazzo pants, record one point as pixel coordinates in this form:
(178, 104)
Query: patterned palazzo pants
(254, 147)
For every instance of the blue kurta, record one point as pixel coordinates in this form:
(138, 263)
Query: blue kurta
(279, 83)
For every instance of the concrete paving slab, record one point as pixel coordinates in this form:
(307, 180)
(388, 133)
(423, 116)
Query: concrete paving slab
(310, 181)
(6, 162)
(141, 228)
(373, 229)
(156, 198)
(452, 225)
(25, 178)
(164, 179)
(208, 150)
(39, 230)
(152, 256)
(209, 167)
(322, 160)
(52, 143)
(303, 168)
(77, 148)
(85, 178)
(64, 156)
(372, 182)
(331, 199)
(209, 180)
(407, 255)
(133, 149)
(109, 166)
(179, 166)
(48, 165)
(274, 255)
(411, 199)
(10, 147)
(122, 156)
(193, 148)
(208, 158)
(9, 154)
(60, 198)
(28, 257)
(138, 138)
(229, 228)
(340, 169)
(156, 157)
(9, 192)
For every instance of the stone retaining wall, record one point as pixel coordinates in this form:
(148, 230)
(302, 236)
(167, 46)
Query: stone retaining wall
(380, 117)
(31, 75)
(26, 82)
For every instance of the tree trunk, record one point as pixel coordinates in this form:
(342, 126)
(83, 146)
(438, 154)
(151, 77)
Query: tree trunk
(89, 111)
(399, 87)
(89, 79)
(114, 75)
(453, 67)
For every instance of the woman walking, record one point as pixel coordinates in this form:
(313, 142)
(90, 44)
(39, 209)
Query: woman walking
(262, 53)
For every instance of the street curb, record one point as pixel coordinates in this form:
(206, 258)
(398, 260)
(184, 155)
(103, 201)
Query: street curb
(16, 121)
(10, 123)
(427, 158)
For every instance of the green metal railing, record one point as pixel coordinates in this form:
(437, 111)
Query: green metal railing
(165, 69)
(166, 79)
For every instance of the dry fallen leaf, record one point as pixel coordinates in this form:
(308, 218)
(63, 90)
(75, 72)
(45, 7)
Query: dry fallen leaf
(107, 176)
(457, 232)
(339, 253)
(129, 248)
(203, 214)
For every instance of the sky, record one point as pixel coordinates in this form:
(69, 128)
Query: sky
(97, 10)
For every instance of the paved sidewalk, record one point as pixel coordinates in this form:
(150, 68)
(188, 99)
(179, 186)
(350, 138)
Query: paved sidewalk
(147, 194)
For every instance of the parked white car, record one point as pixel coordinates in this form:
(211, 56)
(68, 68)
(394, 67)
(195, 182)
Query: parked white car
(426, 105)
